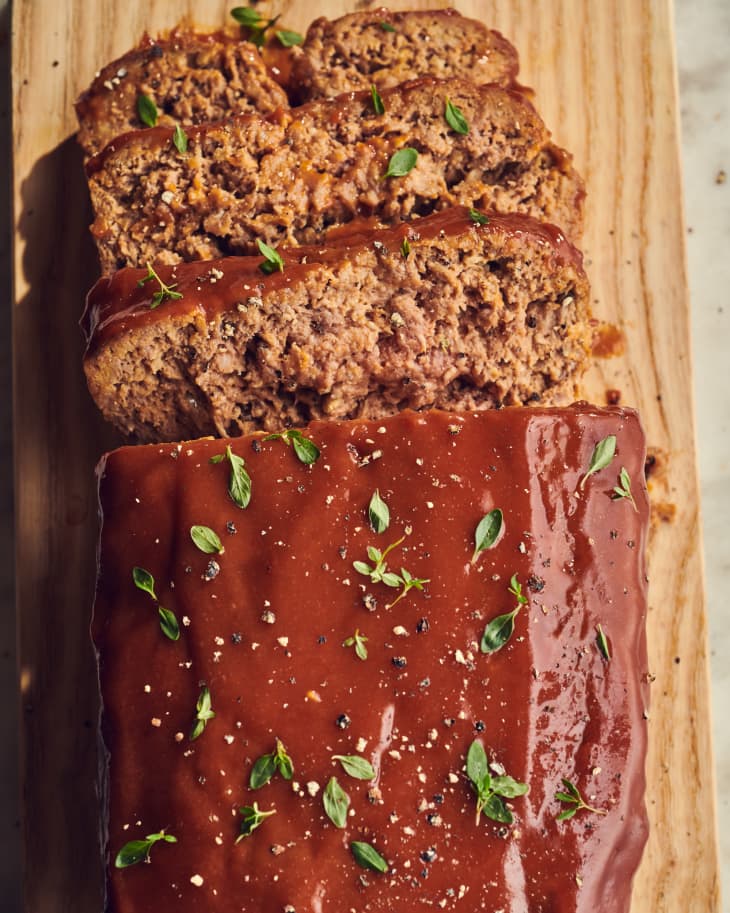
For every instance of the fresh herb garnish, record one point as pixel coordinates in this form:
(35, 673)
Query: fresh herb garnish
(336, 803)
(477, 217)
(573, 799)
(368, 857)
(239, 481)
(252, 818)
(455, 118)
(289, 39)
(139, 850)
(487, 532)
(206, 540)
(602, 643)
(386, 27)
(144, 581)
(268, 764)
(203, 713)
(623, 489)
(378, 105)
(357, 640)
(500, 629)
(180, 139)
(146, 110)
(379, 572)
(257, 26)
(490, 788)
(405, 248)
(401, 163)
(355, 766)
(164, 292)
(306, 451)
(378, 513)
(602, 455)
(272, 259)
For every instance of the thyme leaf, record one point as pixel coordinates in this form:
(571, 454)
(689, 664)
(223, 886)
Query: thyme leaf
(252, 817)
(490, 790)
(207, 540)
(164, 292)
(368, 857)
(378, 513)
(487, 532)
(357, 767)
(239, 481)
(305, 449)
(602, 643)
(267, 765)
(401, 163)
(272, 259)
(499, 630)
(180, 139)
(574, 802)
(378, 105)
(477, 217)
(357, 640)
(623, 489)
(288, 39)
(336, 803)
(144, 581)
(203, 713)
(454, 117)
(146, 110)
(601, 457)
(139, 850)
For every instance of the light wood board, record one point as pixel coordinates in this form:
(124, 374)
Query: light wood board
(605, 79)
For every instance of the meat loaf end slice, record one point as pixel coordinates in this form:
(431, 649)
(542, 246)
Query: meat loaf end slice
(290, 176)
(190, 77)
(385, 48)
(442, 312)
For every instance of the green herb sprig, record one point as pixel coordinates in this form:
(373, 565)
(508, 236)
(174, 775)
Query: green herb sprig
(401, 163)
(267, 765)
(574, 801)
(144, 581)
(386, 27)
(490, 789)
(180, 139)
(305, 449)
(203, 713)
(379, 572)
(487, 532)
(378, 105)
(357, 641)
(378, 513)
(139, 850)
(164, 293)
(147, 110)
(355, 766)
(252, 817)
(601, 457)
(405, 248)
(500, 629)
(477, 217)
(239, 481)
(623, 489)
(207, 540)
(368, 857)
(257, 26)
(336, 803)
(288, 39)
(602, 643)
(454, 117)
(272, 261)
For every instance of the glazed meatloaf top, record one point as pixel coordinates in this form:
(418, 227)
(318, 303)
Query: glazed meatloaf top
(188, 78)
(294, 653)
(441, 312)
(384, 47)
(290, 176)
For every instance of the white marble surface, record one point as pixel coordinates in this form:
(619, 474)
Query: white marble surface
(703, 53)
(703, 45)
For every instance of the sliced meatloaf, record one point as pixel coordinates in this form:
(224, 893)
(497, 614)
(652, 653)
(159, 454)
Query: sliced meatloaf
(189, 77)
(291, 175)
(441, 312)
(386, 48)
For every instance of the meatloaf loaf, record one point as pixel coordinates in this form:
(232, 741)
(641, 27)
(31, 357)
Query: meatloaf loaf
(385, 48)
(320, 737)
(188, 78)
(442, 312)
(293, 174)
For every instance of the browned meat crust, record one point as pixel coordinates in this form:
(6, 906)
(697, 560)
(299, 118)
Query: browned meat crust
(475, 316)
(288, 177)
(191, 77)
(386, 48)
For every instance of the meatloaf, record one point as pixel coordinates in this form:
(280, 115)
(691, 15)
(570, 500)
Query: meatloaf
(385, 48)
(293, 174)
(189, 78)
(314, 737)
(442, 312)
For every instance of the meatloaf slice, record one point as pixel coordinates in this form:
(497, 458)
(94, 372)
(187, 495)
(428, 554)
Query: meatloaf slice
(293, 174)
(384, 47)
(440, 312)
(190, 77)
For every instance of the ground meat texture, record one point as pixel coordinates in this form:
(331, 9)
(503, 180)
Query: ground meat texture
(192, 78)
(474, 316)
(356, 51)
(288, 177)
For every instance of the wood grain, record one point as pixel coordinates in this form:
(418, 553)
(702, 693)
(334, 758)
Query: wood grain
(605, 79)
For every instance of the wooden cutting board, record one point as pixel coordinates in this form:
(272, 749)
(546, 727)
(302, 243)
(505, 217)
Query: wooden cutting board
(605, 81)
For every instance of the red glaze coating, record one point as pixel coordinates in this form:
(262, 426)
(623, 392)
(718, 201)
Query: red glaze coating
(117, 303)
(546, 706)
